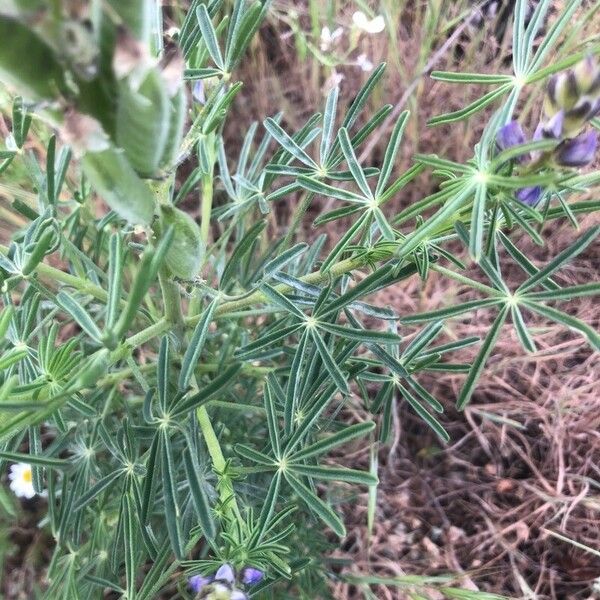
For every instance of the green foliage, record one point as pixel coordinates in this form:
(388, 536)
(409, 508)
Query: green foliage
(181, 396)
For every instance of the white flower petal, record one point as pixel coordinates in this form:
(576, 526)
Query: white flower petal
(21, 480)
(376, 25)
(364, 63)
(360, 19)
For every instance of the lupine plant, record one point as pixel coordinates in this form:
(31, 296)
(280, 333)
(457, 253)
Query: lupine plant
(175, 387)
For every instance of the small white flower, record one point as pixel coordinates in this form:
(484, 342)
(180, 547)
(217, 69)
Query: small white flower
(364, 63)
(375, 25)
(21, 480)
(329, 37)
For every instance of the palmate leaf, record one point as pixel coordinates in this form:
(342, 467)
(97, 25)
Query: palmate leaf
(568, 321)
(328, 124)
(479, 362)
(333, 441)
(209, 36)
(195, 347)
(561, 259)
(316, 505)
(330, 363)
(333, 473)
(198, 494)
(172, 513)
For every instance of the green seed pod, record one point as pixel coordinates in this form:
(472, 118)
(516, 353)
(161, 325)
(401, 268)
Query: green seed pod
(95, 369)
(28, 63)
(178, 111)
(184, 256)
(113, 178)
(138, 16)
(143, 120)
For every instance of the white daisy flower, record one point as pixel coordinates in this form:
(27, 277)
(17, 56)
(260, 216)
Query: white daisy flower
(329, 37)
(375, 25)
(21, 480)
(364, 63)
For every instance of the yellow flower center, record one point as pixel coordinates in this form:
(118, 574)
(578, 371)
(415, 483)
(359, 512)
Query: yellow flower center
(27, 476)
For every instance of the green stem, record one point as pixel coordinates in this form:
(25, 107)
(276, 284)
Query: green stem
(171, 300)
(206, 207)
(486, 289)
(297, 217)
(225, 487)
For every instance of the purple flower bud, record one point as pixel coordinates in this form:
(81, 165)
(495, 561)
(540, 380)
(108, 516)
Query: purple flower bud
(197, 582)
(579, 151)
(529, 195)
(225, 573)
(553, 128)
(198, 92)
(250, 575)
(510, 135)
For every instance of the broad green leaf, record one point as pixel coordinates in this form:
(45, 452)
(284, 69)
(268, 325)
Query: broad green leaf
(272, 421)
(198, 494)
(479, 78)
(435, 425)
(567, 320)
(329, 362)
(478, 222)
(216, 386)
(268, 506)
(314, 503)
(330, 442)
(575, 291)
(328, 124)
(36, 460)
(288, 143)
(79, 315)
(195, 347)
(209, 36)
(12, 356)
(318, 187)
(172, 514)
(353, 163)
(479, 362)
(334, 473)
(391, 152)
(366, 336)
(97, 489)
(450, 311)
(129, 544)
(561, 259)
(115, 274)
(521, 329)
(472, 108)
(240, 251)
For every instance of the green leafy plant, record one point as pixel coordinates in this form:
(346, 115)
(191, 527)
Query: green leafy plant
(178, 388)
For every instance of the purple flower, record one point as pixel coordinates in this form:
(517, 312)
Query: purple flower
(579, 151)
(198, 92)
(529, 195)
(197, 582)
(510, 135)
(554, 127)
(250, 575)
(225, 573)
